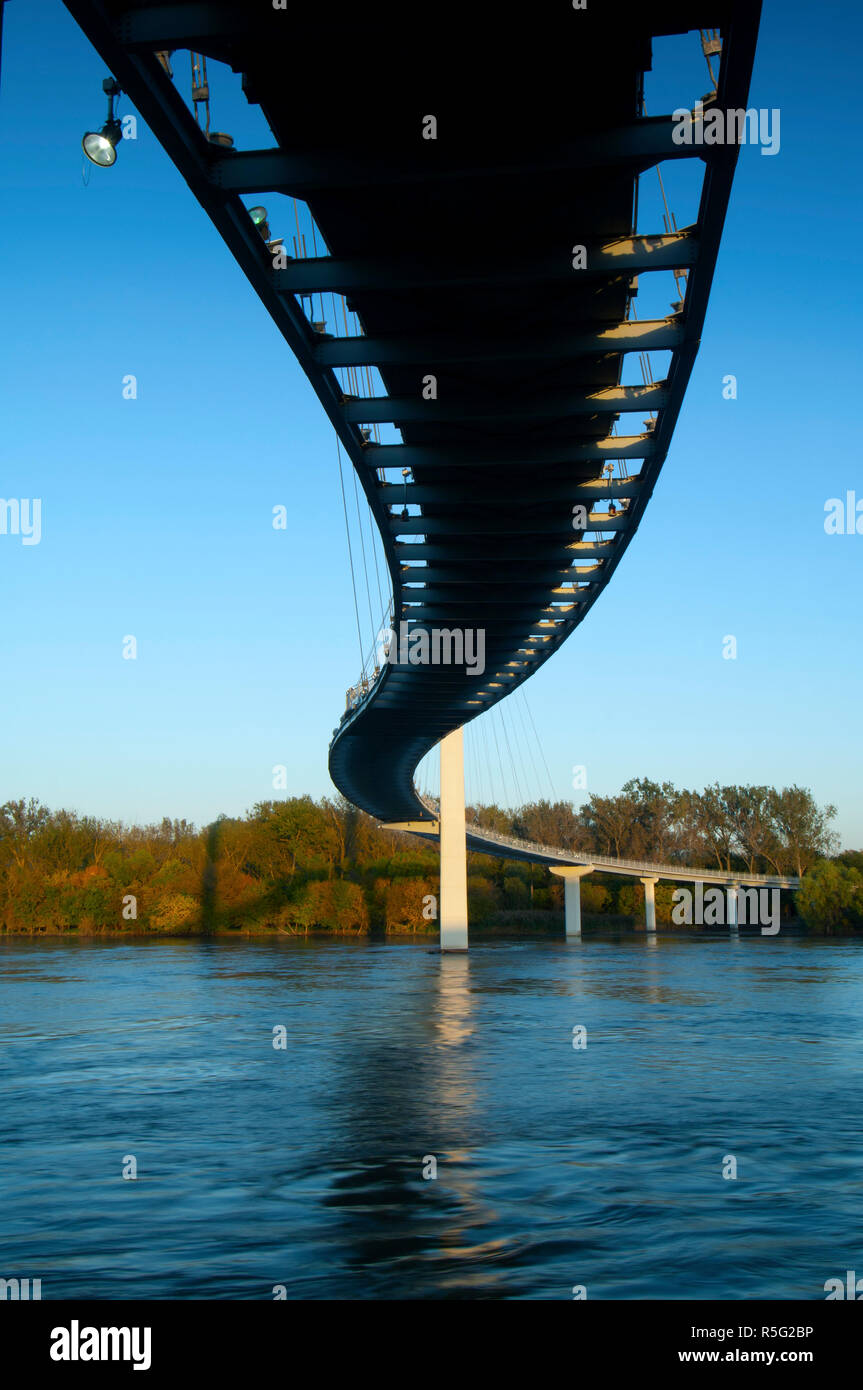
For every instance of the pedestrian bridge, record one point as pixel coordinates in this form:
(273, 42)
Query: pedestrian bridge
(469, 285)
(572, 867)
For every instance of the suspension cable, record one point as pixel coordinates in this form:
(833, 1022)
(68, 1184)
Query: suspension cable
(363, 550)
(522, 728)
(538, 743)
(509, 751)
(499, 761)
(350, 553)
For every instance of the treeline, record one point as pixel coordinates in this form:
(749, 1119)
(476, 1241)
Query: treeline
(300, 865)
(755, 829)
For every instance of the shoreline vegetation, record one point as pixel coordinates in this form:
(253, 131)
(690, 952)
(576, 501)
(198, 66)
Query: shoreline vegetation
(298, 867)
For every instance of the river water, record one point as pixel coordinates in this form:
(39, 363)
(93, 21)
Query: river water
(301, 1168)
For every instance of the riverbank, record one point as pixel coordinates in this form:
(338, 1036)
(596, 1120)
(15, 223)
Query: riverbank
(502, 924)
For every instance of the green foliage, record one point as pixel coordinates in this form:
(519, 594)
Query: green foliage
(594, 897)
(482, 899)
(630, 900)
(516, 893)
(404, 904)
(412, 865)
(334, 905)
(830, 898)
(300, 865)
(173, 912)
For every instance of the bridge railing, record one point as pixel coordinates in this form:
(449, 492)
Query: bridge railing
(359, 693)
(644, 866)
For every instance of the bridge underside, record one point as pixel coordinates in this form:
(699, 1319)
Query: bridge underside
(457, 256)
(517, 341)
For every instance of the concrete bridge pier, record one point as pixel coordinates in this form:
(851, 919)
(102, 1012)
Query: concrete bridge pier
(453, 845)
(731, 910)
(572, 896)
(649, 903)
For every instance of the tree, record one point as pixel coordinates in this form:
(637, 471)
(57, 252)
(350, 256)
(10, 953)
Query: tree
(595, 897)
(516, 892)
(654, 808)
(482, 898)
(755, 832)
(404, 905)
(490, 818)
(548, 823)
(607, 822)
(173, 911)
(296, 832)
(802, 829)
(20, 821)
(714, 812)
(830, 898)
(335, 904)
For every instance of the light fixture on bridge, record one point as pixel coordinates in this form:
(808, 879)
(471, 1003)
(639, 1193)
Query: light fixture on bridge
(259, 217)
(405, 474)
(100, 146)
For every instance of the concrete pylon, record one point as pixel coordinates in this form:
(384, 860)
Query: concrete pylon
(731, 901)
(572, 876)
(453, 845)
(649, 903)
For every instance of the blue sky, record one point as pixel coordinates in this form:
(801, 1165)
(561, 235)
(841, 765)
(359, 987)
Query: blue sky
(157, 512)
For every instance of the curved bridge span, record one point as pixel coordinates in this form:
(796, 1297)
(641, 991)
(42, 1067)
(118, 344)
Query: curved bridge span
(476, 193)
(532, 358)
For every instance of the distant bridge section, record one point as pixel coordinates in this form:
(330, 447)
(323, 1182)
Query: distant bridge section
(572, 867)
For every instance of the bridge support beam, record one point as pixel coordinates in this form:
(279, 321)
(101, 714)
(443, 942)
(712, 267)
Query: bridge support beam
(731, 901)
(453, 845)
(572, 896)
(649, 904)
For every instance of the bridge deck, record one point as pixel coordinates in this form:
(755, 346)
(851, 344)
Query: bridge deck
(456, 256)
(492, 842)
